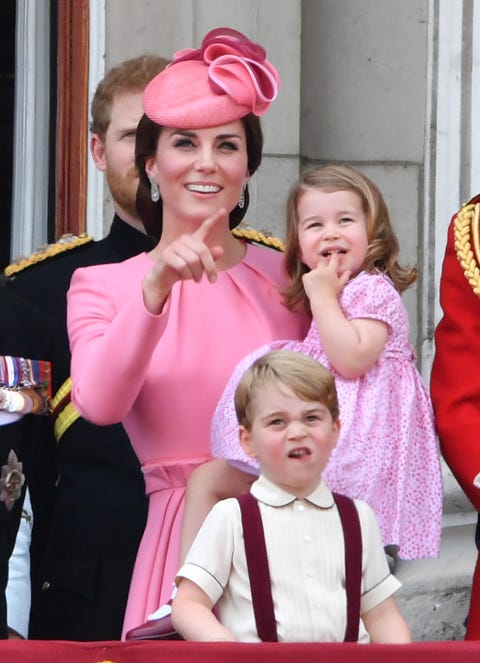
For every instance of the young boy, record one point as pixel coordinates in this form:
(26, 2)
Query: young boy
(287, 409)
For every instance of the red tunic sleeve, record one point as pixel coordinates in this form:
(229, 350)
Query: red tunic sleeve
(455, 381)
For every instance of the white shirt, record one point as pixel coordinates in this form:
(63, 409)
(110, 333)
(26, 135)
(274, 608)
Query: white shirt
(305, 548)
(17, 593)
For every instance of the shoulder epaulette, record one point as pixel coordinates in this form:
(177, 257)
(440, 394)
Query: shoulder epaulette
(65, 243)
(467, 243)
(257, 237)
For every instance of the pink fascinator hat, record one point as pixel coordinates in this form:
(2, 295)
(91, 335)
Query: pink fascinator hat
(227, 78)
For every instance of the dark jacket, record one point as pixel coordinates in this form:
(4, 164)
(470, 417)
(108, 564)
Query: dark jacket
(24, 332)
(81, 567)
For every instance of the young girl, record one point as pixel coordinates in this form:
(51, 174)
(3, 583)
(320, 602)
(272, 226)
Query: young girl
(341, 254)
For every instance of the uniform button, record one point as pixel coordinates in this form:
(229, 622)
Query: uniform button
(45, 586)
(300, 506)
(307, 538)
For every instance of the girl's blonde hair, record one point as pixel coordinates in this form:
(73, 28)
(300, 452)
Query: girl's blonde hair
(383, 245)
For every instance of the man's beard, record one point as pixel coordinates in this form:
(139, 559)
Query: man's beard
(124, 189)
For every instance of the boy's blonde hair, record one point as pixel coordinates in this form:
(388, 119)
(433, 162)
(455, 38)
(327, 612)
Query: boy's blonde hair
(383, 248)
(306, 377)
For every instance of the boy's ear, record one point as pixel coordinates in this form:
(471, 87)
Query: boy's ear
(246, 441)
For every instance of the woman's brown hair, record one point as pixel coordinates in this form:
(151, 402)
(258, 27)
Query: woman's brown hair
(146, 142)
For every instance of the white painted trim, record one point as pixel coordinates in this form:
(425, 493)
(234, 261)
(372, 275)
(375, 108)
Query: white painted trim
(31, 127)
(475, 111)
(428, 280)
(96, 71)
(448, 129)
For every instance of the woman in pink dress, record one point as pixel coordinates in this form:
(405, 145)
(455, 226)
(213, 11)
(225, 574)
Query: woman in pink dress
(341, 253)
(155, 338)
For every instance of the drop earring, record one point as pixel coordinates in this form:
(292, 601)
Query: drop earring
(154, 191)
(241, 201)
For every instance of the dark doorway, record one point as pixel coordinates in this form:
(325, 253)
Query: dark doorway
(7, 90)
(68, 117)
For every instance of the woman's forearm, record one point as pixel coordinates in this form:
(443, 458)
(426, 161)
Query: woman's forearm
(111, 349)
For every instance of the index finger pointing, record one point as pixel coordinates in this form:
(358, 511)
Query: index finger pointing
(208, 226)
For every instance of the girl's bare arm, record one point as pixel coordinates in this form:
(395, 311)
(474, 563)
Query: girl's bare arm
(352, 346)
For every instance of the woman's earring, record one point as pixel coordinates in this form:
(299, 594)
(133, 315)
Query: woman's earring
(241, 201)
(154, 191)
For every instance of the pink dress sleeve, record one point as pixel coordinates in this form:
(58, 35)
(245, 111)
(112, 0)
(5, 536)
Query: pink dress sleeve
(111, 344)
(371, 296)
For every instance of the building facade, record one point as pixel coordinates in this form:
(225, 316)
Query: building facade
(391, 88)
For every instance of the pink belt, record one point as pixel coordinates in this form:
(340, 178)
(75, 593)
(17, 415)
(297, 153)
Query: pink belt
(167, 477)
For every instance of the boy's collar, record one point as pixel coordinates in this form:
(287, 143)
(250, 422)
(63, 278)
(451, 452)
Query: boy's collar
(268, 492)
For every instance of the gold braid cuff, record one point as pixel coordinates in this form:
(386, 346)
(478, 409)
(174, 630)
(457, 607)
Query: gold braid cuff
(63, 411)
(65, 419)
(466, 231)
(251, 235)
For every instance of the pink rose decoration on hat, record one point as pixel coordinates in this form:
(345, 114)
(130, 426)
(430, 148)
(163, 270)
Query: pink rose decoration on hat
(237, 67)
(225, 79)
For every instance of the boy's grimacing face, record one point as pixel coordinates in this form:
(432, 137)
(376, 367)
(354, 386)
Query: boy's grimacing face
(292, 439)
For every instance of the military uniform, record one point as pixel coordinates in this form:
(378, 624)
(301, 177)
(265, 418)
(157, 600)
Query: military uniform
(455, 381)
(23, 332)
(81, 567)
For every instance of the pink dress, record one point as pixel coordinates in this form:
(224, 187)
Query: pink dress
(162, 376)
(388, 453)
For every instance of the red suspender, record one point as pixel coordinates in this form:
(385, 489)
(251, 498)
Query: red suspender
(352, 534)
(257, 564)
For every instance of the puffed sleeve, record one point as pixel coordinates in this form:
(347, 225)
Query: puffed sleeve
(372, 296)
